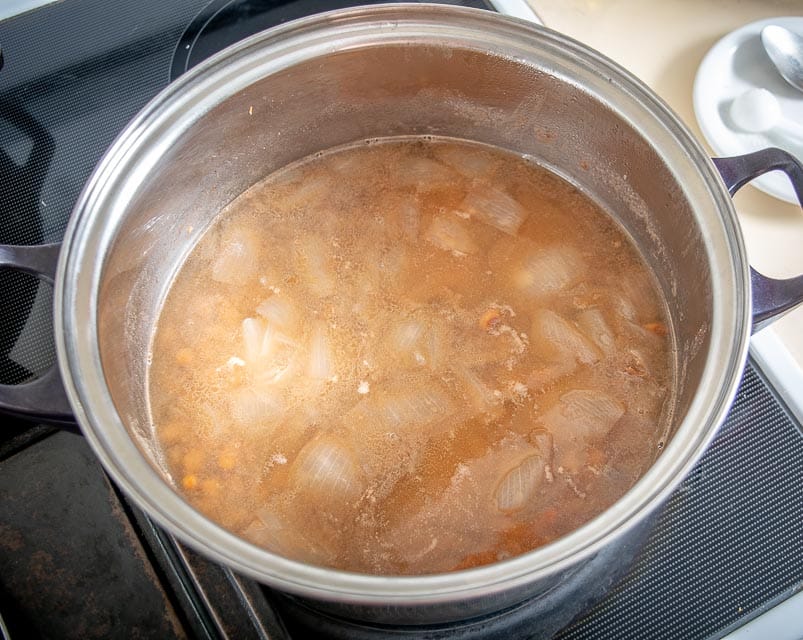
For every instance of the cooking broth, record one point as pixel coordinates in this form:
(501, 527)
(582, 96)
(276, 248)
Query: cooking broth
(410, 356)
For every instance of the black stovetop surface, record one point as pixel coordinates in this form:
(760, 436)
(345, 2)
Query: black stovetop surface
(77, 560)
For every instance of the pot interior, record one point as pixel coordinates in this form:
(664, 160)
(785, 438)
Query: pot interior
(393, 90)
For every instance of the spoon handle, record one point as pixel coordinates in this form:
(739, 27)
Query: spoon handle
(771, 297)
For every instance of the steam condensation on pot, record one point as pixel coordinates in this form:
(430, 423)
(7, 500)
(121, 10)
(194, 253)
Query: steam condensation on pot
(410, 357)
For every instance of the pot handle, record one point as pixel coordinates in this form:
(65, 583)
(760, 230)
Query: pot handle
(771, 297)
(43, 399)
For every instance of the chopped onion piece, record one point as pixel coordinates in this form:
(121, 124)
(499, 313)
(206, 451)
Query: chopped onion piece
(549, 270)
(270, 533)
(237, 259)
(449, 233)
(418, 408)
(321, 365)
(405, 336)
(414, 408)
(314, 265)
(479, 396)
(252, 407)
(326, 466)
(593, 324)
(543, 440)
(422, 173)
(470, 505)
(558, 340)
(543, 377)
(278, 312)
(582, 414)
(311, 191)
(433, 348)
(519, 484)
(269, 353)
(253, 338)
(634, 295)
(409, 219)
(624, 307)
(495, 208)
(470, 165)
(286, 539)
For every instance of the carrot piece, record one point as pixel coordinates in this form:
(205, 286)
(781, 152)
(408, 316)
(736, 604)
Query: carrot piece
(185, 356)
(549, 515)
(476, 560)
(211, 487)
(190, 482)
(227, 461)
(490, 319)
(171, 432)
(193, 460)
(658, 328)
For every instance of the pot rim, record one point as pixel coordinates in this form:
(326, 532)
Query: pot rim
(80, 266)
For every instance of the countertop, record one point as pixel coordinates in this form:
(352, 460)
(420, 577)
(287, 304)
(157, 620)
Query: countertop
(663, 43)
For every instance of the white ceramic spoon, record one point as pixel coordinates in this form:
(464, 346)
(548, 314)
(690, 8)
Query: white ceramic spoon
(758, 111)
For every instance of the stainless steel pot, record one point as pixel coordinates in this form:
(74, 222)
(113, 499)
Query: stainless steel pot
(375, 72)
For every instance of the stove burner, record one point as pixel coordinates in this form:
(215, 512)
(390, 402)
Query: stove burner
(224, 22)
(539, 617)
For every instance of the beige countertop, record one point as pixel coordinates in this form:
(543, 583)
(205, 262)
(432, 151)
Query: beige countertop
(663, 43)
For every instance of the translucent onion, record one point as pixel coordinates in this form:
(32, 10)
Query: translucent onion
(253, 338)
(549, 270)
(321, 363)
(237, 258)
(518, 485)
(543, 440)
(327, 467)
(314, 265)
(254, 407)
(544, 376)
(593, 324)
(634, 295)
(312, 191)
(415, 408)
(582, 414)
(407, 335)
(555, 338)
(422, 173)
(450, 234)
(270, 531)
(470, 165)
(495, 208)
(409, 219)
(481, 398)
(278, 312)
(391, 264)
(434, 348)
(623, 306)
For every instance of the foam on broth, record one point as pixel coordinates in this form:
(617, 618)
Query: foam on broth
(410, 356)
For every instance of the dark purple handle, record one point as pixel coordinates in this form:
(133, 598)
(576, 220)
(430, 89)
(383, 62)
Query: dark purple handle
(43, 399)
(771, 297)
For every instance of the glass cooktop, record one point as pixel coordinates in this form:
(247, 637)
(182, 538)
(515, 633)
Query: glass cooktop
(78, 560)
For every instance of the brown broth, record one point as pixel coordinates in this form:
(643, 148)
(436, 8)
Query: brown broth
(410, 356)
